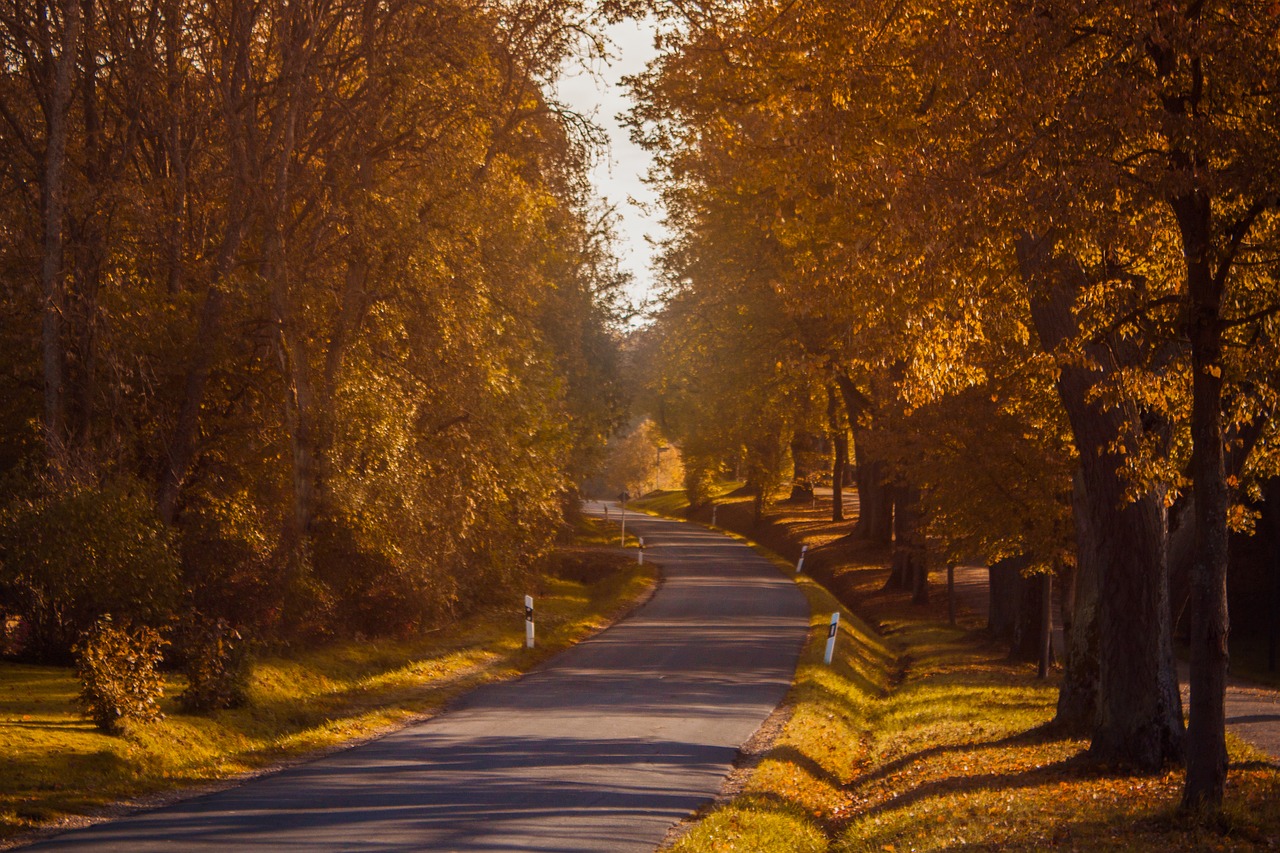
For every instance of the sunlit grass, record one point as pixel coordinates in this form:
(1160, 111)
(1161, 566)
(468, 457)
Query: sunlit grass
(961, 757)
(923, 736)
(671, 503)
(674, 503)
(57, 765)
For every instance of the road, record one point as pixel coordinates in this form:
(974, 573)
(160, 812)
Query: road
(1253, 712)
(604, 748)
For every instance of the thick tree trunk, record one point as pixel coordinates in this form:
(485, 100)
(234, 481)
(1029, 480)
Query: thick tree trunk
(1206, 732)
(1046, 624)
(1078, 695)
(910, 567)
(1026, 640)
(1004, 590)
(1139, 723)
(875, 491)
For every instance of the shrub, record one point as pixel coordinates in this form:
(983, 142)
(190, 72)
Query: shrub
(119, 680)
(216, 664)
(373, 593)
(68, 557)
(229, 573)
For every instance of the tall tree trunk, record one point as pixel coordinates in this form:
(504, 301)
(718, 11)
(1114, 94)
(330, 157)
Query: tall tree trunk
(52, 263)
(290, 340)
(875, 491)
(1004, 596)
(237, 103)
(1046, 624)
(175, 153)
(910, 569)
(1139, 723)
(184, 439)
(86, 227)
(1206, 733)
(1078, 696)
(840, 446)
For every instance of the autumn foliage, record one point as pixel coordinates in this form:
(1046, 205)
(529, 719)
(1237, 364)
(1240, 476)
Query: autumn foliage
(306, 312)
(1032, 249)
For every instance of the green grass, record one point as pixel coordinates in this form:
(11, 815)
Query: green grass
(57, 765)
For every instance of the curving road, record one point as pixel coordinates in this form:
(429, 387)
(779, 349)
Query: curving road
(604, 748)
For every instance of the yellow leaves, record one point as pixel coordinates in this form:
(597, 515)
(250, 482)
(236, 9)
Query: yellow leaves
(1240, 519)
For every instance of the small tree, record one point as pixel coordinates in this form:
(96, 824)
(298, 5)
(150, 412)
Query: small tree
(217, 666)
(119, 680)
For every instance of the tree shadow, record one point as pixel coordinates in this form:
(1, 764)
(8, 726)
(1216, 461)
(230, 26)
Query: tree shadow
(787, 754)
(1032, 737)
(1077, 767)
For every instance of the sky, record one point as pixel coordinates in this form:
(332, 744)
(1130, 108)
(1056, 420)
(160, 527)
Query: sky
(618, 176)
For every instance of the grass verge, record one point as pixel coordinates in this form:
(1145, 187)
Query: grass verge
(58, 768)
(923, 736)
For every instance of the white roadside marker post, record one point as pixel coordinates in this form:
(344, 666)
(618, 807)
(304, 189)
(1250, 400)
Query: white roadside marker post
(640, 552)
(714, 507)
(528, 621)
(804, 549)
(831, 638)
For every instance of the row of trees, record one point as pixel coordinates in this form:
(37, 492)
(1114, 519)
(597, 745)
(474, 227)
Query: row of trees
(307, 314)
(1031, 250)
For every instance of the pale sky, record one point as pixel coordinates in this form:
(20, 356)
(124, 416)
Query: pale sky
(618, 176)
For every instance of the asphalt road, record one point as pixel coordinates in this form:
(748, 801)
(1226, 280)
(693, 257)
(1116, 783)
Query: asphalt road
(604, 748)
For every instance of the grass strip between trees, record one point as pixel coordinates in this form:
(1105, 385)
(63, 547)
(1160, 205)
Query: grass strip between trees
(57, 767)
(923, 736)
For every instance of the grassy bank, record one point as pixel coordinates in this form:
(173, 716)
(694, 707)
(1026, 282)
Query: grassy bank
(58, 767)
(923, 736)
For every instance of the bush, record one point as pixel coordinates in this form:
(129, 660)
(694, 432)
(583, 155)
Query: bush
(217, 666)
(119, 680)
(68, 557)
(229, 573)
(373, 594)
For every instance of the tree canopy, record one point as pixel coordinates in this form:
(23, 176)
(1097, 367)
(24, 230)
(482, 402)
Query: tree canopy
(1033, 246)
(312, 294)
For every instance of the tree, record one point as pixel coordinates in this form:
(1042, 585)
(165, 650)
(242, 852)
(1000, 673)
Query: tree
(316, 274)
(1103, 172)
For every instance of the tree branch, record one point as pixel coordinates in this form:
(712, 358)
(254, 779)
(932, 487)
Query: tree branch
(1238, 231)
